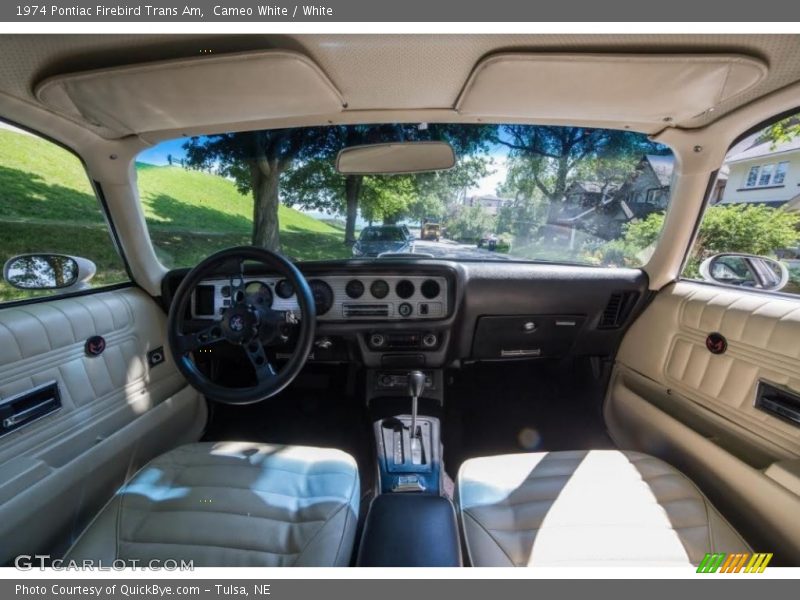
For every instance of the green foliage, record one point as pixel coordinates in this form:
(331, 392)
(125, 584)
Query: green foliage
(469, 223)
(751, 229)
(783, 131)
(313, 182)
(644, 232)
(523, 217)
(746, 228)
(386, 198)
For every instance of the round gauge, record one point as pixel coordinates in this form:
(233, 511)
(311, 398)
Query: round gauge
(354, 289)
(404, 289)
(258, 293)
(284, 289)
(430, 289)
(323, 295)
(379, 289)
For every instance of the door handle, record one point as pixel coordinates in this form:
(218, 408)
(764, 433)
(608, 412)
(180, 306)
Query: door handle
(28, 406)
(22, 416)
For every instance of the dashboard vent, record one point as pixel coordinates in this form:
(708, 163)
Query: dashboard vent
(618, 309)
(351, 311)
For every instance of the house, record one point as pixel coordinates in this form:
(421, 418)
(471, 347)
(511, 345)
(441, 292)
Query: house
(489, 202)
(765, 173)
(602, 209)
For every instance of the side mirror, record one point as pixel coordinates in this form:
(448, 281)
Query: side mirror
(745, 270)
(48, 272)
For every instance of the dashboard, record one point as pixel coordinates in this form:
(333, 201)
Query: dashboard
(384, 297)
(428, 313)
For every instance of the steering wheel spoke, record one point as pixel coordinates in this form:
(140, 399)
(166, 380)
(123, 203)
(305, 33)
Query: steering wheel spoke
(258, 358)
(189, 342)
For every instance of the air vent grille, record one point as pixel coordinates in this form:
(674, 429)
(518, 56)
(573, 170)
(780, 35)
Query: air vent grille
(351, 311)
(618, 309)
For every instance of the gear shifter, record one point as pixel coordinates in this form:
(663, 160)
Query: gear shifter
(416, 383)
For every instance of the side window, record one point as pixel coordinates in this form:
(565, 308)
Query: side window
(750, 234)
(53, 235)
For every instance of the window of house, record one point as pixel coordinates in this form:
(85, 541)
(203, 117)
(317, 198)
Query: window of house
(48, 206)
(769, 174)
(657, 196)
(752, 176)
(780, 173)
(766, 175)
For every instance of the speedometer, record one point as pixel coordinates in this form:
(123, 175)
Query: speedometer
(323, 295)
(258, 293)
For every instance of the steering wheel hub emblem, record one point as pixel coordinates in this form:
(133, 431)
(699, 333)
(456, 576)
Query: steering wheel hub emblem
(236, 323)
(240, 324)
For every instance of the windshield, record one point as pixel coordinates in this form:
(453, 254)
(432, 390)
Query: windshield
(517, 192)
(382, 234)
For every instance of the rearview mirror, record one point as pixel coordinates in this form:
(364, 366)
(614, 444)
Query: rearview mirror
(396, 158)
(745, 270)
(48, 272)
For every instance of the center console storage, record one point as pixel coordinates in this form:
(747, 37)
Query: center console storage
(410, 530)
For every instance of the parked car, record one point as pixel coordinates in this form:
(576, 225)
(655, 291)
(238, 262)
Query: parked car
(375, 241)
(488, 241)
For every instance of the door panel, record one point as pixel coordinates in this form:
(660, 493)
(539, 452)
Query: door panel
(672, 397)
(117, 411)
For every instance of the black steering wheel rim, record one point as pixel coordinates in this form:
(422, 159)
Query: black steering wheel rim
(179, 340)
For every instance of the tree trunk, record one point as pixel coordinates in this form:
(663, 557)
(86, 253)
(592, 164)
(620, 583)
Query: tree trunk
(266, 233)
(352, 190)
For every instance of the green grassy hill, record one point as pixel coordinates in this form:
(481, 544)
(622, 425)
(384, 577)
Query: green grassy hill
(47, 204)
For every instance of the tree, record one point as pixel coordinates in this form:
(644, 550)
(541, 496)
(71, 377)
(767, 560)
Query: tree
(783, 131)
(255, 161)
(315, 183)
(386, 198)
(438, 191)
(556, 156)
(469, 223)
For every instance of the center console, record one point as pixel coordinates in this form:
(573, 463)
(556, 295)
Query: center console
(409, 523)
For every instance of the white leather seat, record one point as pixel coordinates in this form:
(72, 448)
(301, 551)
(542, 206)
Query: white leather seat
(592, 508)
(232, 504)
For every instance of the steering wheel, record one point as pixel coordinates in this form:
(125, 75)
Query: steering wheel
(246, 323)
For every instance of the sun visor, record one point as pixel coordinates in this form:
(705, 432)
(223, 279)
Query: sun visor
(614, 88)
(193, 92)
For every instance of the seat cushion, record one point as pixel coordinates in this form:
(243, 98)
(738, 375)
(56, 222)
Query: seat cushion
(232, 504)
(589, 508)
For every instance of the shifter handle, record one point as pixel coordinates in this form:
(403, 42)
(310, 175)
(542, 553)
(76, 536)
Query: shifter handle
(416, 383)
